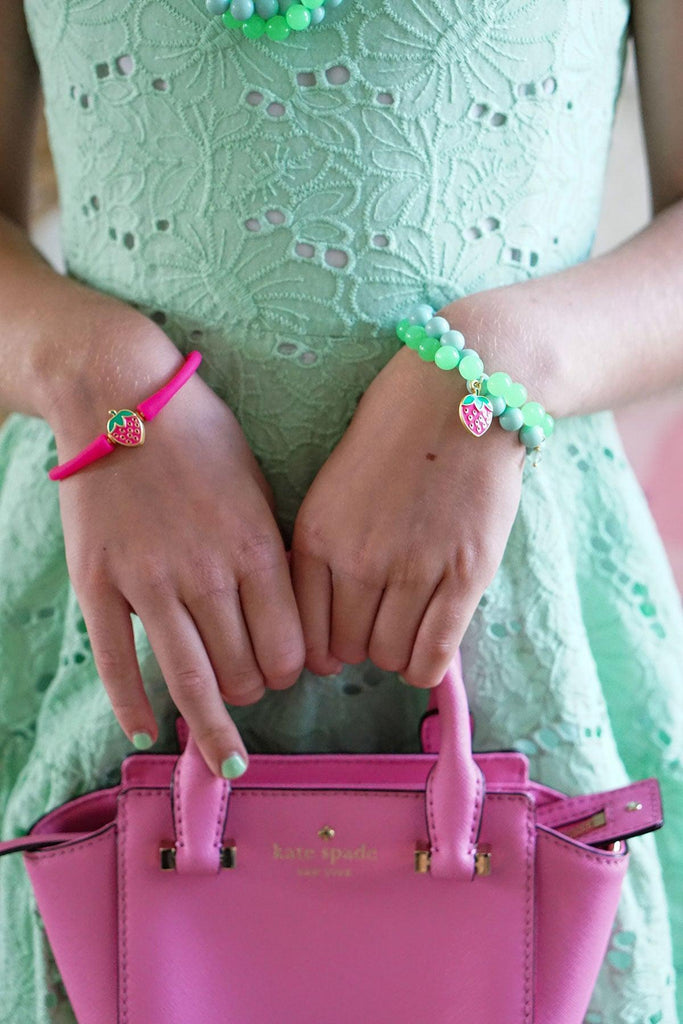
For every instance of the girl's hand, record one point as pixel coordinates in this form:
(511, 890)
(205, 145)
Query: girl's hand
(404, 527)
(182, 532)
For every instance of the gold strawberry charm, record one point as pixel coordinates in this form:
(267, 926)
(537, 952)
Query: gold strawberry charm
(125, 427)
(476, 413)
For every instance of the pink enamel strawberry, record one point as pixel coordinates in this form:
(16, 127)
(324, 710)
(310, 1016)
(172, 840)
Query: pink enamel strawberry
(125, 427)
(476, 412)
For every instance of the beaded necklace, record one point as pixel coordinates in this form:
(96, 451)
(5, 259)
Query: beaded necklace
(273, 18)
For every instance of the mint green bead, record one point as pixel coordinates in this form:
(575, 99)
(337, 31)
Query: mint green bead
(470, 366)
(511, 419)
(548, 424)
(447, 357)
(515, 396)
(498, 383)
(230, 21)
(254, 27)
(533, 413)
(531, 436)
(312, 4)
(298, 17)
(414, 335)
(402, 326)
(277, 27)
(428, 348)
(454, 338)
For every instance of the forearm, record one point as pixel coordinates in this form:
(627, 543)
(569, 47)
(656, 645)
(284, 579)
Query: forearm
(594, 336)
(60, 340)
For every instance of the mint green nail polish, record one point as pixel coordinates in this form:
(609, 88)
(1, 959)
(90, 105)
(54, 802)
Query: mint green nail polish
(142, 740)
(233, 766)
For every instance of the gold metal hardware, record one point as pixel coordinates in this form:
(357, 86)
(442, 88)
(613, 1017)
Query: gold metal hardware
(327, 832)
(580, 828)
(632, 805)
(422, 856)
(482, 860)
(227, 858)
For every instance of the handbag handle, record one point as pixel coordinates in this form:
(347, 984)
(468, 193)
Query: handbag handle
(453, 796)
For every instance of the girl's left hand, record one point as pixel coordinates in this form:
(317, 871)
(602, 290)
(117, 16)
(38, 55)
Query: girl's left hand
(404, 527)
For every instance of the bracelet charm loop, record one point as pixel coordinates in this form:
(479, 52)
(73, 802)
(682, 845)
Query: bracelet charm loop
(126, 427)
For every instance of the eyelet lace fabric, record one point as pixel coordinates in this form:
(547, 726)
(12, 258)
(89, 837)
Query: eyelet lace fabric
(280, 206)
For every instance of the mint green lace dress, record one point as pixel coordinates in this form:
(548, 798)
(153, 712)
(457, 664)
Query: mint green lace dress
(280, 206)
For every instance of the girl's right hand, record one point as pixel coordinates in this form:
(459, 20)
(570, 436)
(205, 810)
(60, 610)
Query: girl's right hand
(182, 532)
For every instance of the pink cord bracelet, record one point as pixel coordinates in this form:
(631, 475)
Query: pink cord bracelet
(127, 427)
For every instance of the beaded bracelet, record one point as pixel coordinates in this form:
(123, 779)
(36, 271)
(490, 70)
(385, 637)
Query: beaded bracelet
(498, 395)
(273, 18)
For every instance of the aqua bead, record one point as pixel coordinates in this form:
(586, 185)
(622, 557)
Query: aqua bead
(317, 15)
(277, 28)
(498, 403)
(428, 348)
(498, 383)
(230, 21)
(437, 326)
(470, 365)
(266, 8)
(254, 28)
(217, 6)
(531, 436)
(421, 314)
(414, 335)
(447, 357)
(548, 424)
(402, 326)
(515, 395)
(511, 419)
(298, 17)
(312, 4)
(242, 9)
(454, 338)
(533, 413)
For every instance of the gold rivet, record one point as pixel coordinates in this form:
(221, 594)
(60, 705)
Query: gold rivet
(327, 832)
(482, 860)
(633, 805)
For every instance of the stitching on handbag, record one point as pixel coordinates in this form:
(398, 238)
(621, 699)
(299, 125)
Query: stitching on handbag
(607, 858)
(220, 822)
(476, 818)
(43, 854)
(580, 804)
(178, 774)
(123, 936)
(529, 951)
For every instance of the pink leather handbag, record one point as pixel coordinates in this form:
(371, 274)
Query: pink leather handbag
(328, 889)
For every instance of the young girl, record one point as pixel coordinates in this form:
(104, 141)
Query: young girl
(280, 205)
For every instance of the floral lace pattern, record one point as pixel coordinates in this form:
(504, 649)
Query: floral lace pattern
(279, 206)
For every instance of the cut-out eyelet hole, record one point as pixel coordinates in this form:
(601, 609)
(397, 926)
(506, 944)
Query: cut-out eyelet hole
(275, 109)
(112, 232)
(72, 92)
(472, 233)
(252, 224)
(498, 119)
(160, 84)
(385, 97)
(158, 316)
(102, 70)
(275, 216)
(533, 259)
(304, 249)
(515, 255)
(336, 257)
(527, 89)
(308, 357)
(125, 64)
(555, 241)
(478, 109)
(95, 202)
(337, 74)
(254, 98)
(550, 85)
(305, 78)
(491, 223)
(287, 348)
(162, 225)
(129, 239)
(380, 240)
(84, 100)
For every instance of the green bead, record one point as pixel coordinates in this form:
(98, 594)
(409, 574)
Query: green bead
(498, 383)
(533, 413)
(531, 436)
(470, 366)
(402, 326)
(515, 396)
(414, 335)
(428, 348)
(230, 21)
(447, 357)
(548, 424)
(254, 27)
(277, 27)
(298, 17)
(511, 419)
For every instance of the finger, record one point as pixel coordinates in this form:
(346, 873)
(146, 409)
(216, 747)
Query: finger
(439, 634)
(354, 606)
(112, 643)
(271, 614)
(398, 619)
(192, 683)
(313, 592)
(217, 615)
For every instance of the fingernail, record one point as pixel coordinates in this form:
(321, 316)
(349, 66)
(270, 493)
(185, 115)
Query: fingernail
(142, 740)
(233, 766)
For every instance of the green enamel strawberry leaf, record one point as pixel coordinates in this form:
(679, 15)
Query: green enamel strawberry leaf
(120, 419)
